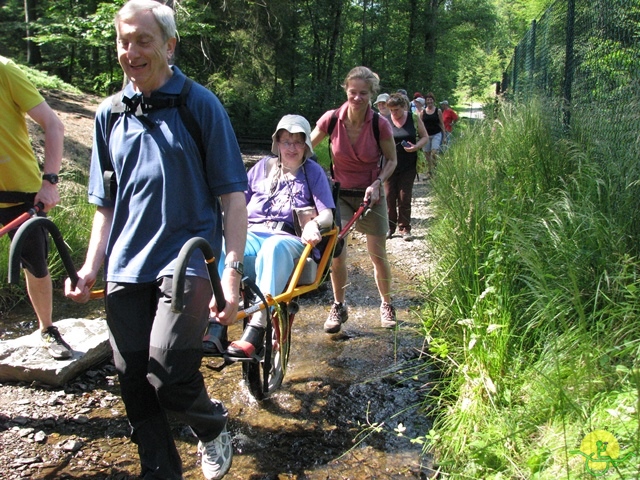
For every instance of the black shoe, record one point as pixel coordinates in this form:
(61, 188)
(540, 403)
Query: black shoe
(55, 345)
(215, 339)
(251, 343)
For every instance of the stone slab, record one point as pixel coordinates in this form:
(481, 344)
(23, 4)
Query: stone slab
(24, 359)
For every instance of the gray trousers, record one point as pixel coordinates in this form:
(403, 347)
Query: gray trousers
(157, 354)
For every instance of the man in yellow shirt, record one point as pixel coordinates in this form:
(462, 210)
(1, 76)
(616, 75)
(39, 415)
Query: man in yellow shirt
(23, 185)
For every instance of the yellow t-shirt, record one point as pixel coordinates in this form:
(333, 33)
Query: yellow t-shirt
(19, 170)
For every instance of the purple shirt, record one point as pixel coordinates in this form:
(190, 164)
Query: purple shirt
(310, 187)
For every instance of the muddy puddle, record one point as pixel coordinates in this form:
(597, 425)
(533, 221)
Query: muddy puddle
(348, 408)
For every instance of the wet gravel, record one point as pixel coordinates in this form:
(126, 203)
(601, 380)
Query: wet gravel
(348, 408)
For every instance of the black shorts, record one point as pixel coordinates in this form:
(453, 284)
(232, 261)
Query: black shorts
(35, 248)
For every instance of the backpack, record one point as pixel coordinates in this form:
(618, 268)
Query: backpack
(122, 105)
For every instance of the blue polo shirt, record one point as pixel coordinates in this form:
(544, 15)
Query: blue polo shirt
(166, 193)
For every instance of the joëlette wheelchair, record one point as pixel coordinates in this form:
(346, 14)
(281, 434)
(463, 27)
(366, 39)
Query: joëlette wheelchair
(264, 372)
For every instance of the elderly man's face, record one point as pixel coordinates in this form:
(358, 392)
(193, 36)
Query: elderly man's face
(143, 53)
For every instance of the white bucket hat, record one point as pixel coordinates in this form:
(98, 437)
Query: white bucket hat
(383, 97)
(293, 124)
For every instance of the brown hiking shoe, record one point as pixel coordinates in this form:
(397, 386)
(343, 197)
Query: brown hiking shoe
(337, 316)
(387, 315)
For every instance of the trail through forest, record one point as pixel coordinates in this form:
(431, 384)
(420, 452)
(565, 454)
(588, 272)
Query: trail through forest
(348, 408)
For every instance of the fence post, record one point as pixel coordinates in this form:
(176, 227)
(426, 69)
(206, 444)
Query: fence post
(532, 56)
(514, 74)
(568, 66)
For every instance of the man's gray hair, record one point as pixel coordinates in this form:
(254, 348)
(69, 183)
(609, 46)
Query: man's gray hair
(162, 13)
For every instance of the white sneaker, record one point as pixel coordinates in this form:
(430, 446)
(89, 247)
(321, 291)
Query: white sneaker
(216, 456)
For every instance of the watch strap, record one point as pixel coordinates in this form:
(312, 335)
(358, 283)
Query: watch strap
(237, 266)
(52, 178)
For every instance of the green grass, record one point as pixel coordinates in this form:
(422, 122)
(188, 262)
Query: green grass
(322, 152)
(532, 314)
(45, 81)
(73, 217)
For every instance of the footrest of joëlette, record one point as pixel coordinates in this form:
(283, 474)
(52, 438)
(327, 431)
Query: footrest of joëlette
(229, 360)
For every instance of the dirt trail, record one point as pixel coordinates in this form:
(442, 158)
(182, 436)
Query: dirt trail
(338, 415)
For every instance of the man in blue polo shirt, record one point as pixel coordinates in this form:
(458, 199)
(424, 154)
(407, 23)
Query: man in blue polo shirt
(166, 194)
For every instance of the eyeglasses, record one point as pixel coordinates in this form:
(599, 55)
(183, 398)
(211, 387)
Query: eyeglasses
(296, 145)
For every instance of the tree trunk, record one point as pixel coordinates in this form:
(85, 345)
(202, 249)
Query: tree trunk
(333, 44)
(363, 52)
(324, 50)
(413, 6)
(430, 41)
(30, 16)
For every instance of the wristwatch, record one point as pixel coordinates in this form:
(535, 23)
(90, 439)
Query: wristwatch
(52, 178)
(237, 266)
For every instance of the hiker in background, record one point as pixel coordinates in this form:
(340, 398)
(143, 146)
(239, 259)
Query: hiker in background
(449, 117)
(432, 119)
(404, 93)
(23, 185)
(356, 154)
(166, 195)
(381, 104)
(278, 186)
(410, 136)
(417, 104)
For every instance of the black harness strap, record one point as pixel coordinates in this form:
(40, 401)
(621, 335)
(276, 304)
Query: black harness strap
(140, 105)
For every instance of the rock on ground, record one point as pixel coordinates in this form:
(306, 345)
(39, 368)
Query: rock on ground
(24, 359)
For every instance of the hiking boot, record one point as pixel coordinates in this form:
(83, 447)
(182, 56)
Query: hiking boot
(55, 345)
(387, 315)
(337, 316)
(217, 456)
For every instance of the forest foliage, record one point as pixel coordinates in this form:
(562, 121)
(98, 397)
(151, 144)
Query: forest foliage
(264, 59)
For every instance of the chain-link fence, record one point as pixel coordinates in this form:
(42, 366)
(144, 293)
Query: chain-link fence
(582, 57)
